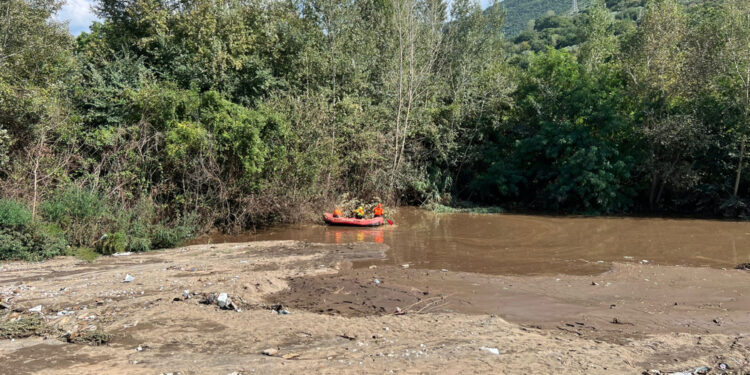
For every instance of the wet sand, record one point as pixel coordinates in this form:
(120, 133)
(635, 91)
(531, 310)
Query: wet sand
(341, 321)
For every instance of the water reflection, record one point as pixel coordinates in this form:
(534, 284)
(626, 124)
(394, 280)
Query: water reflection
(349, 235)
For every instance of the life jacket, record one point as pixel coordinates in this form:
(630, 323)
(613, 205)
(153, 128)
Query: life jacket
(337, 213)
(378, 210)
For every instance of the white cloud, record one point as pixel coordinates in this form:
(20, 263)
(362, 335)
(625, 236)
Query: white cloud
(79, 13)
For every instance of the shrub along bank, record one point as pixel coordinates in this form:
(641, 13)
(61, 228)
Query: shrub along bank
(75, 221)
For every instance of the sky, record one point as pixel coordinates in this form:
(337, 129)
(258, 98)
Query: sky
(79, 15)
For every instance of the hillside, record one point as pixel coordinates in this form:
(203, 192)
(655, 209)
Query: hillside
(520, 12)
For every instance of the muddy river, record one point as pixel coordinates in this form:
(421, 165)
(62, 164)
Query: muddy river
(525, 244)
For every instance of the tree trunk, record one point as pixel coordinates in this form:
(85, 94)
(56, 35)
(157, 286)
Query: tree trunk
(739, 168)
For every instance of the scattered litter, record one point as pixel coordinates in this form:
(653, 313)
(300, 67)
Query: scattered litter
(224, 301)
(65, 313)
(644, 261)
(723, 366)
(443, 270)
(399, 311)
(37, 309)
(270, 352)
(701, 370)
(124, 254)
(128, 278)
(494, 351)
(279, 309)
(139, 348)
(377, 281)
(372, 267)
(405, 265)
(186, 294)
(628, 257)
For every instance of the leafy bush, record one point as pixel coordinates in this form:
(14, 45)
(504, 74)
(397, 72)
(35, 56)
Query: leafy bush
(139, 244)
(164, 237)
(34, 242)
(78, 212)
(13, 214)
(113, 243)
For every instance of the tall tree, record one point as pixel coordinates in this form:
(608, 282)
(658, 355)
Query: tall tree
(418, 39)
(654, 61)
(734, 63)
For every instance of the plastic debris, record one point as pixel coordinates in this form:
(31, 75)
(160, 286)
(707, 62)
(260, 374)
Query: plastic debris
(124, 254)
(36, 309)
(223, 300)
(128, 278)
(270, 352)
(494, 351)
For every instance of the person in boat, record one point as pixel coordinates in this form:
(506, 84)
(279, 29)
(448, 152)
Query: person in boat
(359, 213)
(337, 212)
(378, 210)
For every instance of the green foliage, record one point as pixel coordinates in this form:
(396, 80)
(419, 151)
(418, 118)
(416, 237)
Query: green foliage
(78, 212)
(237, 114)
(13, 214)
(520, 12)
(164, 236)
(34, 242)
(83, 253)
(566, 155)
(113, 243)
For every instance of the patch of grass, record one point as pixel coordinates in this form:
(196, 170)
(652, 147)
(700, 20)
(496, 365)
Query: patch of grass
(94, 338)
(24, 326)
(83, 253)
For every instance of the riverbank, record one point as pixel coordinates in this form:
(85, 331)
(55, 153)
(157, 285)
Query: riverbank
(341, 320)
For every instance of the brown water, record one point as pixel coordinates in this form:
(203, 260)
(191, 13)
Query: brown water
(524, 244)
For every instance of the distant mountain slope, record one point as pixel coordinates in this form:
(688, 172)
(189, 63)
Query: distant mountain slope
(520, 12)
